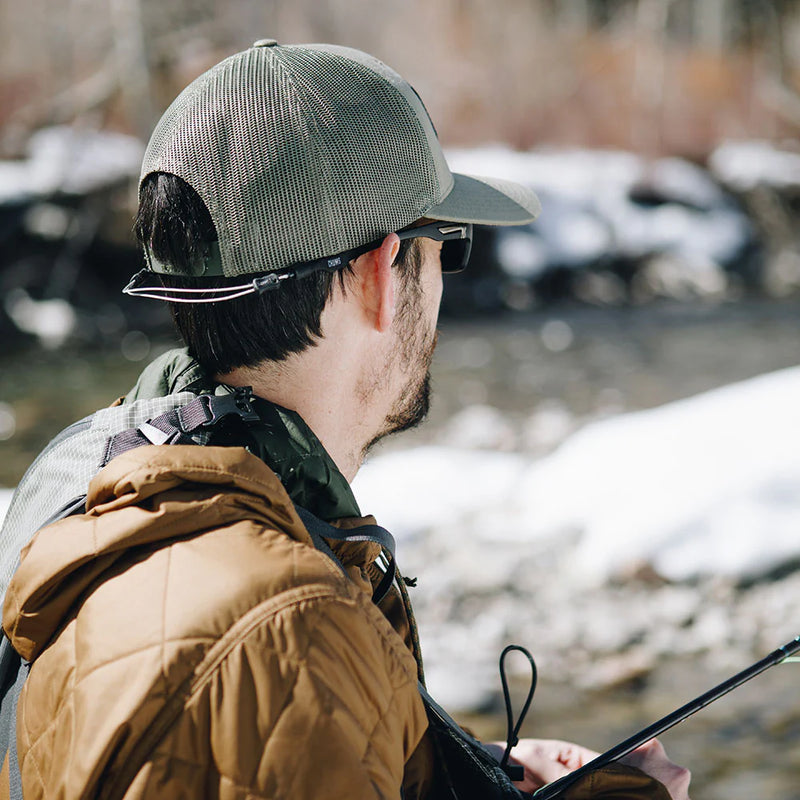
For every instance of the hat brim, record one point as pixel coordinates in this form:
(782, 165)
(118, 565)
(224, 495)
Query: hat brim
(487, 201)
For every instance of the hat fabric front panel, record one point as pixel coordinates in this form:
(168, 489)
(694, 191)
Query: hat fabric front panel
(298, 153)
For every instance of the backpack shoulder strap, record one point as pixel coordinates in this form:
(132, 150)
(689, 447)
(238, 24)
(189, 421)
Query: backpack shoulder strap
(59, 476)
(13, 674)
(465, 768)
(321, 530)
(187, 424)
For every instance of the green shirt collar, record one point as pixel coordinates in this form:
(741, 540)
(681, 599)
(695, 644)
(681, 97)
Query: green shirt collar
(283, 440)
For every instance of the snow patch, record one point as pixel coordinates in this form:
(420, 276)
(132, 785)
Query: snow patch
(704, 486)
(747, 165)
(5, 502)
(71, 160)
(603, 205)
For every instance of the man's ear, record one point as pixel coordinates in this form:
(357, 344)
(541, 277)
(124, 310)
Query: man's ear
(376, 281)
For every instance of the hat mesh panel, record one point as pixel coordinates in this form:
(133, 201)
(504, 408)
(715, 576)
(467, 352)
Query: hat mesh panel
(298, 154)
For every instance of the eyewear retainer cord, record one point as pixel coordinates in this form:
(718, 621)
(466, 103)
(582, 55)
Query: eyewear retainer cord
(439, 231)
(515, 771)
(209, 294)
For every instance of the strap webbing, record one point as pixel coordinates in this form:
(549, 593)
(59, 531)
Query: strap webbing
(469, 770)
(187, 424)
(14, 774)
(14, 671)
(321, 530)
(9, 665)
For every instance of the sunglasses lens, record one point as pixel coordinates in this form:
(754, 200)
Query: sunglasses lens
(455, 254)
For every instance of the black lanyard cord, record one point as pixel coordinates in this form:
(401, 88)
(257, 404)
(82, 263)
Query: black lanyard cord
(515, 771)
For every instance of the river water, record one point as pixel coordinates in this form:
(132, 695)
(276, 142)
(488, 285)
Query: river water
(567, 366)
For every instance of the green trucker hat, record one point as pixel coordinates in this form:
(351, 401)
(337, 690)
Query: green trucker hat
(300, 152)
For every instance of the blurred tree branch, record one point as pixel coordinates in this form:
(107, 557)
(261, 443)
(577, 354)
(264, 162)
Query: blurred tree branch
(130, 59)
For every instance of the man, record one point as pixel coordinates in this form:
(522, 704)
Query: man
(191, 632)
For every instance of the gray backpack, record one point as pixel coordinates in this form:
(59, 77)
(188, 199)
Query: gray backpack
(55, 484)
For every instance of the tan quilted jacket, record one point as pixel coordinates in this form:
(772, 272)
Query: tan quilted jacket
(189, 641)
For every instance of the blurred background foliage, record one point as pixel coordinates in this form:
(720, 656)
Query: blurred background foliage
(655, 76)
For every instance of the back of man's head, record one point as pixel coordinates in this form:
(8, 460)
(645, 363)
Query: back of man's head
(270, 173)
(175, 226)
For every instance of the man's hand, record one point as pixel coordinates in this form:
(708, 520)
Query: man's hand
(652, 759)
(547, 760)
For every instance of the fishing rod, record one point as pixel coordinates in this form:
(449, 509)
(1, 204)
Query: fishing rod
(778, 656)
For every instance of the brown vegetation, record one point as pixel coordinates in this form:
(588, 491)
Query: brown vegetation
(656, 76)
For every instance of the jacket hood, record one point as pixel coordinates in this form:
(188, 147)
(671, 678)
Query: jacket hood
(158, 494)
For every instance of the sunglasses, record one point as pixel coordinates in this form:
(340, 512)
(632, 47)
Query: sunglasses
(456, 238)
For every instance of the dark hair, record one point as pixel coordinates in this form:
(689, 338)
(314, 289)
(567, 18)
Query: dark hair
(175, 224)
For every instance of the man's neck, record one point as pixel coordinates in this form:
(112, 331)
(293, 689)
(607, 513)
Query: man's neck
(329, 405)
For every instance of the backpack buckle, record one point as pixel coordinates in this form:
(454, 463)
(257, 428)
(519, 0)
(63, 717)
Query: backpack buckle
(237, 404)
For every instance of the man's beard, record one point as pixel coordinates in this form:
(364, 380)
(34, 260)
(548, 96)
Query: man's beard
(414, 402)
(411, 408)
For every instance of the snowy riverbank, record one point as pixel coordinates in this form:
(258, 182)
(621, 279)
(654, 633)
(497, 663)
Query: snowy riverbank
(704, 486)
